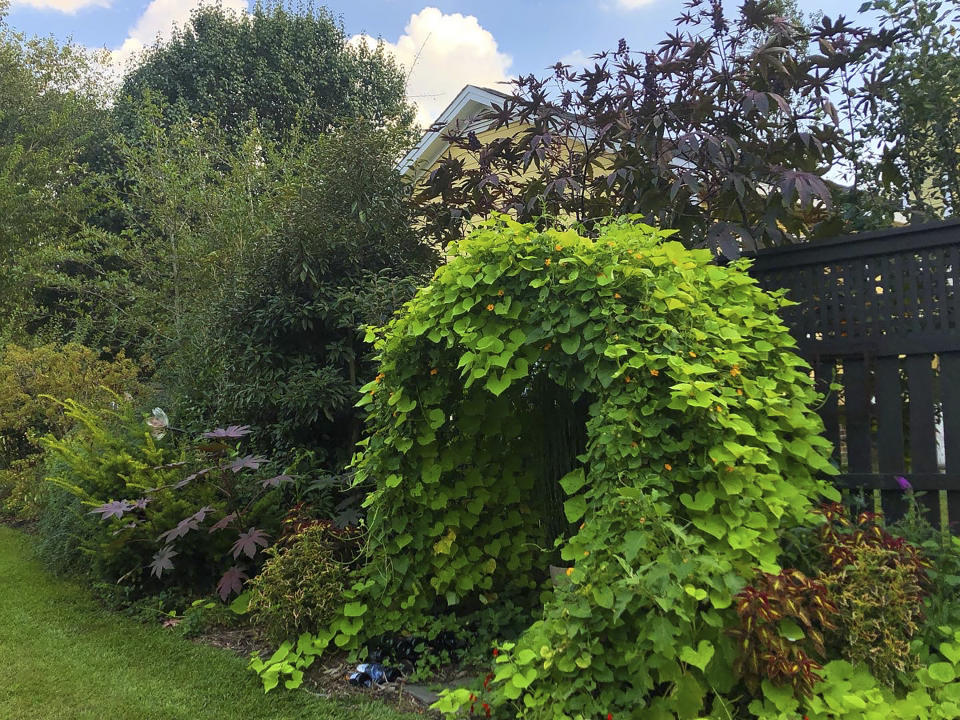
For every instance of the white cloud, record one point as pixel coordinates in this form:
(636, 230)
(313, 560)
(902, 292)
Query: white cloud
(65, 6)
(445, 53)
(577, 59)
(158, 21)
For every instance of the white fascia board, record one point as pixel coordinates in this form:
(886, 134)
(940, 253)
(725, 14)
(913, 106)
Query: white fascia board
(468, 103)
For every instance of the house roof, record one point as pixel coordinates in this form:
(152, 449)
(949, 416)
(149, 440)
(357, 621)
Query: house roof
(462, 111)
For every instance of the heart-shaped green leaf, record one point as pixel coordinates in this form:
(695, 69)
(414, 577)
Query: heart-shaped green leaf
(700, 657)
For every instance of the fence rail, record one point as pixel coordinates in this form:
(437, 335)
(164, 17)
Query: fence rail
(879, 314)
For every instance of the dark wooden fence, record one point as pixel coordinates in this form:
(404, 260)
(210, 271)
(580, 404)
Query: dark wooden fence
(879, 314)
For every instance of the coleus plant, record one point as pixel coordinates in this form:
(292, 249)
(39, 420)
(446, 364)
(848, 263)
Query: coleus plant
(783, 618)
(878, 582)
(222, 476)
(842, 536)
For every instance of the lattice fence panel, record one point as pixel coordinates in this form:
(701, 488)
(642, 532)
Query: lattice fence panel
(879, 314)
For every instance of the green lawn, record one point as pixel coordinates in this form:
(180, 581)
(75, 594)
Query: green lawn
(63, 658)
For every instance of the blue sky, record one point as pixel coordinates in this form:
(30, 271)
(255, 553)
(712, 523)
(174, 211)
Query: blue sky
(458, 42)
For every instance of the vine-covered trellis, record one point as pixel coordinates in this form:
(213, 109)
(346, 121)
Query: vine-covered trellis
(677, 379)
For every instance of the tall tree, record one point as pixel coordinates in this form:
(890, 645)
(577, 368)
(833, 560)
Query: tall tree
(246, 269)
(911, 128)
(282, 348)
(188, 207)
(53, 124)
(288, 69)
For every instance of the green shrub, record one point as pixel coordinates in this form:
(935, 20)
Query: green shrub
(280, 348)
(300, 587)
(29, 379)
(109, 455)
(941, 602)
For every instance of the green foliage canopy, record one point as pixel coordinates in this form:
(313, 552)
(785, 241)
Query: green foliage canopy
(53, 124)
(286, 68)
(910, 105)
(245, 269)
(278, 344)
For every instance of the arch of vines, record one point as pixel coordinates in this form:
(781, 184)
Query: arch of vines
(699, 444)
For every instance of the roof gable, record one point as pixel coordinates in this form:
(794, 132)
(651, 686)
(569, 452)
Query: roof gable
(469, 102)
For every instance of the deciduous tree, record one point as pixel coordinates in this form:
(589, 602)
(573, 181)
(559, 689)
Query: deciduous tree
(287, 68)
(910, 133)
(53, 122)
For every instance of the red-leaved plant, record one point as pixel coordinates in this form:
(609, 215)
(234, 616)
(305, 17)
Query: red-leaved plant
(224, 476)
(782, 623)
(723, 131)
